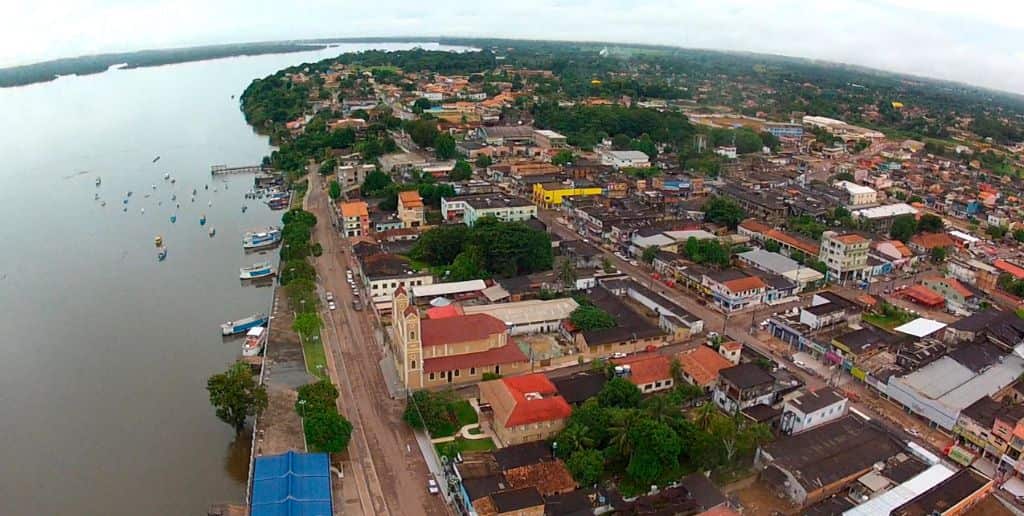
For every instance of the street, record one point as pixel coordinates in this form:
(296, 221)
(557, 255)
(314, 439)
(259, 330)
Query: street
(386, 467)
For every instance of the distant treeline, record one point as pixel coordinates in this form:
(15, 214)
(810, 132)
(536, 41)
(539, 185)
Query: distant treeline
(85, 65)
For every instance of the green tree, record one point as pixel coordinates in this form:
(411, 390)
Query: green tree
(772, 246)
(316, 397)
(375, 184)
(621, 142)
(563, 157)
(468, 265)
(296, 269)
(462, 171)
(704, 415)
(483, 161)
(327, 431)
(235, 395)
(298, 216)
(996, 232)
(621, 393)
(929, 223)
(575, 437)
(586, 466)
(591, 318)
(444, 146)
(328, 166)
(939, 254)
(422, 132)
(649, 254)
(334, 189)
(903, 227)
(307, 324)
(1018, 235)
(660, 408)
(723, 211)
(422, 104)
(656, 449)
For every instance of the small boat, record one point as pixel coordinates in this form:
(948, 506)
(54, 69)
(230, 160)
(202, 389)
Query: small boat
(146, 196)
(174, 218)
(255, 339)
(213, 231)
(128, 194)
(202, 220)
(257, 270)
(124, 209)
(209, 204)
(193, 199)
(103, 203)
(156, 159)
(167, 176)
(244, 207)
(193, 192)
(98, 181)
(241, 325)
(154, 186)
(159, 241)
(161, 254)
(269, 237)
(207, 187)
(177, 205)
(173, 180)
(174, 197)
(142, 211)
(96, 197)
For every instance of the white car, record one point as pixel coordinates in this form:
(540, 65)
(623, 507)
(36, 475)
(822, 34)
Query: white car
(432, 487)
(329, 297)
(912, 431)
(331, 306)
(634, 263)
(800, 364)
(619, 355)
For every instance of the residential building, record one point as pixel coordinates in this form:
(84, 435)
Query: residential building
(650, 372)
(845, 256)
(547, 139)
(958, 296)
(859, 195)
(879, 218)
(351, 177)
(954, 496)
(471, 208)
(525, 408)
(410, 209)
(742, 386)
(355, 219)
(452, 350)
(550, 195)
(625, 158)
(925, 242)
(811, 409)
(701, 365)
(382, 273)
(776, 263)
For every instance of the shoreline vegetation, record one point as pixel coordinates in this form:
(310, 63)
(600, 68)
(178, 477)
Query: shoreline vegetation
(46, 71)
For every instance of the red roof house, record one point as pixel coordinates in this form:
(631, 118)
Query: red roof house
(525, 408)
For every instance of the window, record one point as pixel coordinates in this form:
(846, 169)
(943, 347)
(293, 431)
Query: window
(412, 364)
(472, 370)
(457, 372)
(431, 376)
(412, 335)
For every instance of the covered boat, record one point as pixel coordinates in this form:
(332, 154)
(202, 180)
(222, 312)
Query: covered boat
(241, 325)
(266, 238)
(255, 339)
(256, 270)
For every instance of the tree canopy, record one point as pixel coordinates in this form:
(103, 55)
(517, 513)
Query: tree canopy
(507, 248)
(723, 211)
(236, 396)
(327, 431)
(591, 318)
(620, 393)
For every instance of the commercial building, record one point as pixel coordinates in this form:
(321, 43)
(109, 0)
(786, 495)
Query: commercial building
(452, 350)
(859, 195)
(742, 386)
(785, 130)
(625, 158)
(845, 256)
(471, 208)
(550, 195)
(776, 263)
(811, 409)
(291, 483)
(384, 272)
(547, 139)
(531, 316)
(732, 290)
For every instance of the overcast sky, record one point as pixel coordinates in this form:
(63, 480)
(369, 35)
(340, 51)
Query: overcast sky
(977, 41)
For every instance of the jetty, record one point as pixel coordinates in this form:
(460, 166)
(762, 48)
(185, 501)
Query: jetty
(221, 170)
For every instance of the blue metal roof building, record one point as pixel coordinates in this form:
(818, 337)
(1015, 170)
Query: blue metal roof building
(292, 484)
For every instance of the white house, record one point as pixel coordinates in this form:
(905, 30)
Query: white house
(628, 158)
(811, 409)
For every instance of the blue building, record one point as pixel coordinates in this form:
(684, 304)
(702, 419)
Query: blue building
(784, 130)
(292, 483)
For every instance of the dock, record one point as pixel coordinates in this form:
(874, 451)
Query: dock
(220, 170)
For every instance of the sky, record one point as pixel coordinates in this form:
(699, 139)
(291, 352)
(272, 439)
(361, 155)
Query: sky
(974, 42)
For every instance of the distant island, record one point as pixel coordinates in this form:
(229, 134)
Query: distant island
(85, 65)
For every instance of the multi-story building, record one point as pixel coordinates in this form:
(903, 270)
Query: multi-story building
(410, 209)
(547, 139)
(351, 177)
(550, 195)
(733, 290)
(811, 409)
(625, 158)
(742, 386)
(845, 256)
(355, 219)
(785, 130)
(859, 195)
(451, 350)
(525, 408)
(382, 273)
(471, 208)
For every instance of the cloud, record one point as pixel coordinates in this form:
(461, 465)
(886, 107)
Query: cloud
(970, 42)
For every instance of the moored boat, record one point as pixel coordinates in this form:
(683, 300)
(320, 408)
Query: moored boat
(159, 241)
(241, 325)
(255, 339)
(213, 231)
(263, 239)
(257, 270)
(202, 220)
(98, 181)
(161, 254)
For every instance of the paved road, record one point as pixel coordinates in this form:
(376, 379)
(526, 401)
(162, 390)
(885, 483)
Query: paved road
(388, 469)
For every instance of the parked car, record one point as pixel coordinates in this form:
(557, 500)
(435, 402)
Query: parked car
(619, 355)
(432, 487)
(329, 297)
(912, 431)
(331, 306)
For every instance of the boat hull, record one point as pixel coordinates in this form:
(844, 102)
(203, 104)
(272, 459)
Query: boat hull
(234, 328)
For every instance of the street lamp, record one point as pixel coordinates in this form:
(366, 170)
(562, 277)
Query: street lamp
(302, 408)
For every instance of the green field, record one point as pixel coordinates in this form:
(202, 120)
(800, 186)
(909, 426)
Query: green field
(313, 350)
(464, 445)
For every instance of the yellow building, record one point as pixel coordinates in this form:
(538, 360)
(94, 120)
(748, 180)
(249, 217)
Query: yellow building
(549, 195)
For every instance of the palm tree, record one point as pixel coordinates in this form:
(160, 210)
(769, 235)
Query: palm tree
(620, 430)
(661, 409)
(705, 415)
(574, 438)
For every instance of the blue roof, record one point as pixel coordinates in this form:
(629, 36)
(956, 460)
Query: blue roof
(292, 484)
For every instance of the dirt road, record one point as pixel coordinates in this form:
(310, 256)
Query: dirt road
(388, 470)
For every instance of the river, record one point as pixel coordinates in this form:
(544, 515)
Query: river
(104, 350)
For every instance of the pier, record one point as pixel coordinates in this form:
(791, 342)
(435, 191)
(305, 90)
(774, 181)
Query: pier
(220, 170)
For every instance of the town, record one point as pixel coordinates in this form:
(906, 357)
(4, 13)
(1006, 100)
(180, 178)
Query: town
(542, 279)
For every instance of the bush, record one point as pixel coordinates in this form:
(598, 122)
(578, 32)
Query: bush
(490, 376)
(318, 397)
(317, 249)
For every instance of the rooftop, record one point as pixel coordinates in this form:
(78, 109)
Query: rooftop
(581, 386)
(410, 199)
(944, 495)
(813, 401)
(466, 328)
(535, 399)
(517, 499)
(746, 375)
(507, 354)
(703, 364)
(890, 210)
(920, 327)
(354, 209)
(646, 368)
(526, 312)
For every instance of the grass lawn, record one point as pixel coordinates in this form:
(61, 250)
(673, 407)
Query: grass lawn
(887, 322)
(313, 350)
(464, 413)
(464, 445)
(475, 431)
